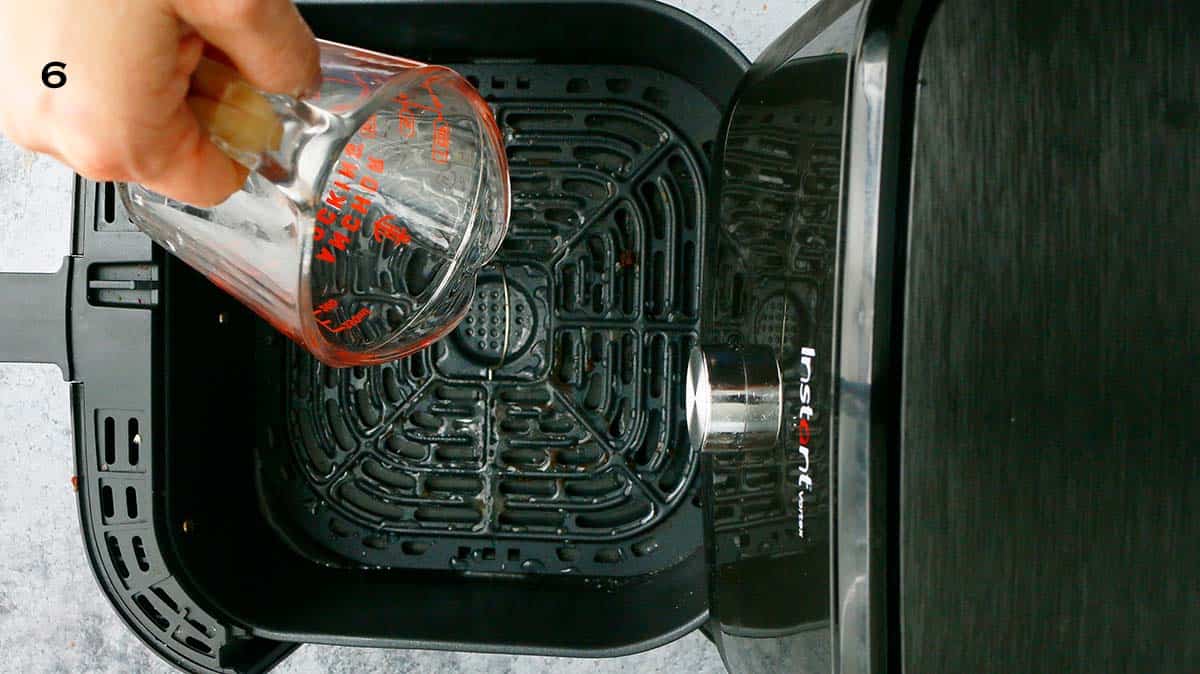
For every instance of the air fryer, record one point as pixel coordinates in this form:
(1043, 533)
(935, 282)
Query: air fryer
(526, 484)
(869, 243)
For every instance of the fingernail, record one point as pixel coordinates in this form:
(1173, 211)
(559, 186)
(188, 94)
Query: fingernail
(313, 88)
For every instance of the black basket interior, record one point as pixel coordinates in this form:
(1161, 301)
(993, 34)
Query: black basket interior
(546, 433)
(526, 483)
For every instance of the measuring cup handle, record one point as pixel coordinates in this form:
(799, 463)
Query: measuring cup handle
(232, 111)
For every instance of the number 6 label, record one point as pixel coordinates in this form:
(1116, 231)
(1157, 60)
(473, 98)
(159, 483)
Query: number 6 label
(53, 75)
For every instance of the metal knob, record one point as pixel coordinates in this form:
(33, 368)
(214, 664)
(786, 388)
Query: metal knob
(734, 398)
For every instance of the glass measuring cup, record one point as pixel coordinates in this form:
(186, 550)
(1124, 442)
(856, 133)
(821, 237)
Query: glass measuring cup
(367, 215)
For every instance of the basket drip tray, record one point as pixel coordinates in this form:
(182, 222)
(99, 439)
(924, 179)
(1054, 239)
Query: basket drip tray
(546, 434)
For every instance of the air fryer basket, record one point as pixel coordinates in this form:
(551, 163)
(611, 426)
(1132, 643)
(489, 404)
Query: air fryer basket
(526, 484)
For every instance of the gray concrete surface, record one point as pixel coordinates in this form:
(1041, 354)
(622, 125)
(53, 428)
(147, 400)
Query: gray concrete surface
(53, 617)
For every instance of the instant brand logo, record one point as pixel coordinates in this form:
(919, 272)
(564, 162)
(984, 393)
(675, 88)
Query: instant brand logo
(804, 482)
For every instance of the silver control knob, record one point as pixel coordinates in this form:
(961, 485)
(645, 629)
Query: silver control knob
(734, 398)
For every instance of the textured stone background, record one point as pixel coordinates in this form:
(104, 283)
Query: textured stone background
(53, 617)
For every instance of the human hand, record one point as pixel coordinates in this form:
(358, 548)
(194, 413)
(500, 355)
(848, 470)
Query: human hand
(122, 114)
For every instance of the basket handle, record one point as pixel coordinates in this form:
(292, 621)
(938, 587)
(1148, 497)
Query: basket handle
(33, 317)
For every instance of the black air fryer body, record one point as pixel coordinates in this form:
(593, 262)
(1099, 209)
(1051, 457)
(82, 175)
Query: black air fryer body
(964, 232)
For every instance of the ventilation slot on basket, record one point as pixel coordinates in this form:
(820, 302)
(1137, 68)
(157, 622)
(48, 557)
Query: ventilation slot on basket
(613, 519)
(160, 621)
(110, 213)
(107, 507)
(139, 553)
(197, 645)
(447, 515)
(656, 96)
(618, 85)
(201, 628)
(114, 554)
(120, 501)
(131, 504)
(608, 555)
(110, 441)
(646, 547)
(120, 441)
(123, 284)
(518, 520)
(679, 464)
(166, 606)
(135, 442)
(165, 599)
(414, 548)
(110, 203)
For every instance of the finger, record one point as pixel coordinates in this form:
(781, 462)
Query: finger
(190, 51)
(241, 130)
(222, 84)
(192, 169)
(266, 40)
(21, 137)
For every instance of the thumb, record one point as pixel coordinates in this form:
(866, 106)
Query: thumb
(266, 40)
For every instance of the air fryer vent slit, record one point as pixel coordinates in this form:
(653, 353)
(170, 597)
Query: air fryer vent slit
(118, 560)
(160, 621)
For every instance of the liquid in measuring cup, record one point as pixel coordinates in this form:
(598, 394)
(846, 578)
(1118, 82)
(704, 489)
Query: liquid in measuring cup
(382, 248)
